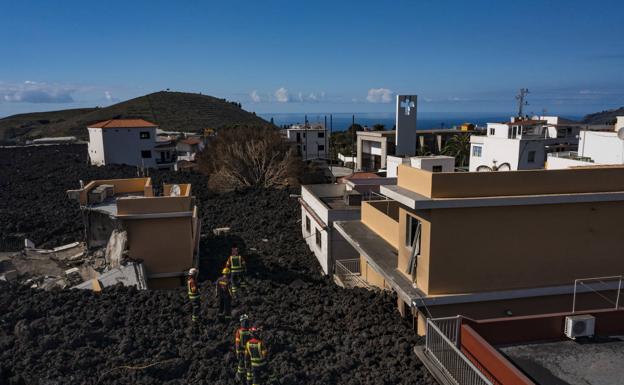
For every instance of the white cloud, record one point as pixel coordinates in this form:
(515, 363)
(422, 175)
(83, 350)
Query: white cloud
(300, 96)
(282, 96)
(379, 95)
(36, 92)
(108, 96)
(255, 97)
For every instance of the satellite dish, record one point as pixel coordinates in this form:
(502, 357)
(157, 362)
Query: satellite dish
(621, 133)
(175, 191)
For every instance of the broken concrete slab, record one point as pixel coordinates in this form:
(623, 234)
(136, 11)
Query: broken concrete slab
(130, 274)
(221, 231)
(10, 275)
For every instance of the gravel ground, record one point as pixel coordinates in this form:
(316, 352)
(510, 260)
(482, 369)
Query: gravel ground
(316, 333)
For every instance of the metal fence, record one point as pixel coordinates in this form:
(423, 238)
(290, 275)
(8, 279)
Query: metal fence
(445, 354)
(348, 271)
(599, 284)
(11, 243)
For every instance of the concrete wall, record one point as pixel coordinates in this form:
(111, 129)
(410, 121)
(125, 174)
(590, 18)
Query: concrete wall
(557, 163)
(494, 248)
(311, 140)
(602, 147)
(529, 182)
(370, 275)
(96, 146)
(392, 163)
(447, 163)
(382, 217)
(322, 253)
(129, 206)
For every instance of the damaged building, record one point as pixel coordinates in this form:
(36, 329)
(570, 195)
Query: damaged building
(126, 217)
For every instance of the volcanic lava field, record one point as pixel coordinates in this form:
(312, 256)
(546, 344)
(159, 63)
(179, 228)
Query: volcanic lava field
(316, 332)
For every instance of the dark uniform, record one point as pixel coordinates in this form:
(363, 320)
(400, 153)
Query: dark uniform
(237, 267)
(224, 294)
(242, 336)
(193, 294)
(257, 355)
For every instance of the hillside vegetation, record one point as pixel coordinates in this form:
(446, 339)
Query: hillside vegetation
(176, 111)
(604, 117)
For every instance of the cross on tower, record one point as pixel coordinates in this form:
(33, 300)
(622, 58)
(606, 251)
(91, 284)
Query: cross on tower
(408, 105)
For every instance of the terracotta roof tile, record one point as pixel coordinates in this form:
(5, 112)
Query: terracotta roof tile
(123, 123)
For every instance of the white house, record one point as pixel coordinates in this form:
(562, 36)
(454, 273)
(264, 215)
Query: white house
(188, 147)
(433, 163)
(310, 140)
(521, 144)
(321, 205)
(594, 148)
(129, 141)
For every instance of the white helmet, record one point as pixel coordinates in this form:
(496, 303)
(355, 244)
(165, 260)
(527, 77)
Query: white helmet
(193, 271)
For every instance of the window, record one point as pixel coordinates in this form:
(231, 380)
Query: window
(531, 157)
(321, 147)
(146, 154)
(412, 237)
(321, 134)
(145, 135)
(476, 151)
(319, 242)
(437, 169)
(307, 224)
(492, 131)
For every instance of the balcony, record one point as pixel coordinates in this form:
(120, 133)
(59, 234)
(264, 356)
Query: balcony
(572, 155)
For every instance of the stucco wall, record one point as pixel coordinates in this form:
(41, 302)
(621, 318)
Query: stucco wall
(382, 218)
(422, 262)
(124, 145)
(493, 248)
(370, 275)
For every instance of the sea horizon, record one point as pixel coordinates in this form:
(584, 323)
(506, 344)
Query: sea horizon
(425, 120)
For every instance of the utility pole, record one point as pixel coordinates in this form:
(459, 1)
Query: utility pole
(353, 151)
(521, 101)
(331, 125)
(325, 134)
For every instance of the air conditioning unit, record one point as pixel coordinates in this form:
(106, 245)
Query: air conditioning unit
(579, 326)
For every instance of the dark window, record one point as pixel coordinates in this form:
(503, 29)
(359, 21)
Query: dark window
(145, 135)
(476, 151)
(146, 154)
(307, 224)
(492, 131)
(531, 157)
(437, 169)
(318, 238)
(321, 134)
(321, 147)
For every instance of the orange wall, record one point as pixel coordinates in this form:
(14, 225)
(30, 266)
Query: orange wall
(501, 248)
(371, 276)
(126, 206)
(165, 245)
(382, 217)
(122, 186)
(422, 267)
(525, 182)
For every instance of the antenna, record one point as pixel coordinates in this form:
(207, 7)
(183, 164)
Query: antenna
(521, 101)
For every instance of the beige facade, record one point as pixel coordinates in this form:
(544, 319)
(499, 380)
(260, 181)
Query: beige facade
(490, 241)
(163, 231)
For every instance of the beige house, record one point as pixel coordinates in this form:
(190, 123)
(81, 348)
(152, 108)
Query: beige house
(162, 231)
(488, 245)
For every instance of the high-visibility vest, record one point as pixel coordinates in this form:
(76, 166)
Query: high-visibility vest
(256, 352)
(223, 285)
(193, 291)
(243, 335)
(236, 263)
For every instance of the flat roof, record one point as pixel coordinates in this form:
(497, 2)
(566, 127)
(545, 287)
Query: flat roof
(580, 362)
(338, 203)
(417, 201)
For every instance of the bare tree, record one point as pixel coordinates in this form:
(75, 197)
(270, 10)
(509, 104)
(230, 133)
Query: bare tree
(249, 157)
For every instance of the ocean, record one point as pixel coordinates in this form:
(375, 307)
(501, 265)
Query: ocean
(426, 120)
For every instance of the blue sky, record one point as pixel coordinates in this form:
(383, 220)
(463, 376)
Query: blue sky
(320, 56)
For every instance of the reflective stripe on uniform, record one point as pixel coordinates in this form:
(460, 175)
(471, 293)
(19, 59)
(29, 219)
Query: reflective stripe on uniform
(236, 264)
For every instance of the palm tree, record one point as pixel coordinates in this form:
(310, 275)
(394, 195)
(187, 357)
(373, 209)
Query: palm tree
(458, 146)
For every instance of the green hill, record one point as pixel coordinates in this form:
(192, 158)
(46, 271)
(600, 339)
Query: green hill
(172, 111)
(604, 117)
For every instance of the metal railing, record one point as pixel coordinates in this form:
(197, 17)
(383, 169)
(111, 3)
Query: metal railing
(348, 271)
(604, 287)
(443, 350)
(571, 155)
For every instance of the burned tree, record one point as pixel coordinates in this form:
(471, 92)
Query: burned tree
(249, 157)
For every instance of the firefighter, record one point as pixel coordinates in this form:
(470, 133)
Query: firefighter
(238, 268)
(223, 291)
(193, 293)
(242, 336)
(256, 353)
